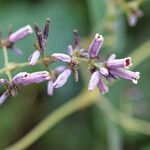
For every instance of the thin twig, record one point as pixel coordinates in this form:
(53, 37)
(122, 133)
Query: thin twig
(6, 61)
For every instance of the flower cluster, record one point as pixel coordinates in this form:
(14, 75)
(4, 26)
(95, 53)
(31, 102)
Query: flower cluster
(112, 68)
(40, 45)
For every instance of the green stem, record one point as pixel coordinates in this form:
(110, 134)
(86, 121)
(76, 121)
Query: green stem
(125, 121)
(78, 103)
(6, 61)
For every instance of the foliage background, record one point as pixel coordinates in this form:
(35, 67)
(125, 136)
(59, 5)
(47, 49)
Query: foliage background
(88, 129)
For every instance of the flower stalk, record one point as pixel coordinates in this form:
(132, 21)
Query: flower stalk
(6, 63)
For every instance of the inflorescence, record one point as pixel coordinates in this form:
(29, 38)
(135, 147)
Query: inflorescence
(110, 69)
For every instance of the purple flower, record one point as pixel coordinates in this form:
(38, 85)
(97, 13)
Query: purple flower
(133, 16)
(94, 80)
(3, 97)
(95, 45)
(70, 50)
(50, 88)
(25, 78)
(62, 57)
(124, 63)
(125, 74)
(20, 34)
(34, 58)
(102, 87)
(62, 78)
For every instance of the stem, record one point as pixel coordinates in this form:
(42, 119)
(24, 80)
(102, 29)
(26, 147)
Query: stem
(6, 63)
(84, 100)
(122, 119)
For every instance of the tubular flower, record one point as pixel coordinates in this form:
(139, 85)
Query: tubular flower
(96, 45)
(25, 78)
(34, 58)
(15, 37)
(20, 34)
(62, 57)
(50, 87)
(62, 78)
(96, 80)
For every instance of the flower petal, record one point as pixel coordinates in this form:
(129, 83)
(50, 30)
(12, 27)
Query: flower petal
(94, 81)
(34, 58)
(50, 88)
(62, 78)
(62, 57)
(3, 97)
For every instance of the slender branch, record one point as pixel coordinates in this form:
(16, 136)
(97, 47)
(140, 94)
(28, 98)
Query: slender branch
(6, 61)
(120, 118)
(85, 99)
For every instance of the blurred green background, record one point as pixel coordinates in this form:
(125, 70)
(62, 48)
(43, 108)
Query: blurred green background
(88, 129)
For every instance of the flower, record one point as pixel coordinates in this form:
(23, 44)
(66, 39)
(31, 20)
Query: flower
(96, 80)
(3, 97)
(24, 78)
(95, 45)
(133, 17)
(15, 37)
(125, 74)
(34, 58)
(124, 63)
(62, 78)
(61, 57)
(40, 46)
(50, 87)
(20, 34)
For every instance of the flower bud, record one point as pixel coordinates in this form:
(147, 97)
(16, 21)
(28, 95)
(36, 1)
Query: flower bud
(20, 34)
(62, 78)
(94, 81)
(95, 45)
(50, 88)
(25, 78)
(62, 57)
(34, 58)
(3, 97)
(70, 50)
